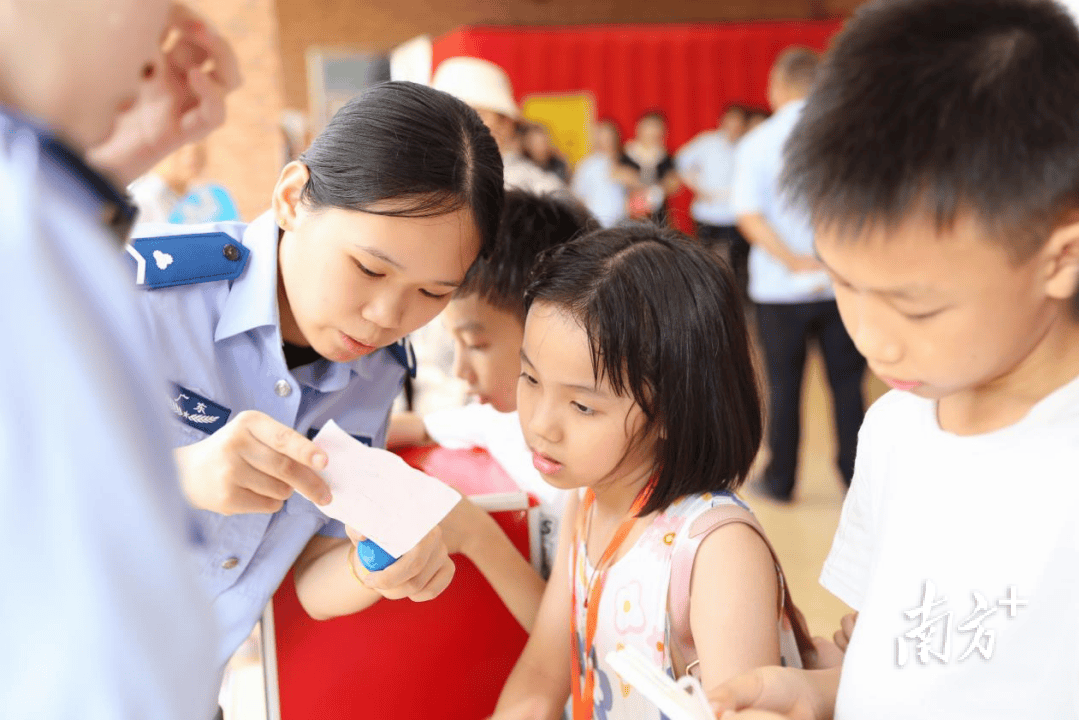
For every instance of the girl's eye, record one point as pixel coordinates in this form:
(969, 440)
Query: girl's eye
(436, 297)
(367, 271)
(528, 378)
(584, 410)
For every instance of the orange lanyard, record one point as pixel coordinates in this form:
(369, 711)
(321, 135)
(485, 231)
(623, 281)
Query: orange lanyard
(583, 697)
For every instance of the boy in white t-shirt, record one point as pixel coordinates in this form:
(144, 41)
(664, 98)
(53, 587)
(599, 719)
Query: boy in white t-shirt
(938, 155)
(486, 319)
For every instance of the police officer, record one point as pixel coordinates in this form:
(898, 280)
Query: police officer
(101, 614)
(270, 330)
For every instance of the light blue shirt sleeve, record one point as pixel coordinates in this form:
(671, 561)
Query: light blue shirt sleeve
(101, 615)
(689, 157)
(758, 168)
(753, 184)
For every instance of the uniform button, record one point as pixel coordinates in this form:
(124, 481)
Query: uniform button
(282, 388)
(230, 563)
(231, 252)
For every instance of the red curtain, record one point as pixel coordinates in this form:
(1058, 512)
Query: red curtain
(690, 72)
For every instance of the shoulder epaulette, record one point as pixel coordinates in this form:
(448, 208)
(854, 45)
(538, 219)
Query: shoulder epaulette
(171, 260)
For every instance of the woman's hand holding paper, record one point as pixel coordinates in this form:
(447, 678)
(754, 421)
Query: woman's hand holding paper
(251, 465)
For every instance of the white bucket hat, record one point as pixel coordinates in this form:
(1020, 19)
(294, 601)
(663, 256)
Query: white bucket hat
(479, 83)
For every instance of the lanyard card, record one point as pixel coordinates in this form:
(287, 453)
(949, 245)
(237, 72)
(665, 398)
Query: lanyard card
(681, 700)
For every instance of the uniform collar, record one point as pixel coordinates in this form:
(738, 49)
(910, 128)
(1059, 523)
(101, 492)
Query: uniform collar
(252, 303)
(63, 166)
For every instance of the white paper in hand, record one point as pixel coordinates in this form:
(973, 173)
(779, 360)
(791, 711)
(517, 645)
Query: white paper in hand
(380, 495)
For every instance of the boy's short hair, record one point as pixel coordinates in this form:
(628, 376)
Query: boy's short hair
(530, 225)
(947, 108)
(797, 66)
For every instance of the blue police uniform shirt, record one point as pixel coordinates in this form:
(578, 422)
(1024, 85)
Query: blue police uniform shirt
(102, 615)
(211, 304)
(758, 166)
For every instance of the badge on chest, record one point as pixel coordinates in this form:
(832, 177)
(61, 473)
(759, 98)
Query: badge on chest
(197, 411)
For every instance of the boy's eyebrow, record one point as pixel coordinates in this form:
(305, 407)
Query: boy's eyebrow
(470, 326)
(910, 292)
(390, 261)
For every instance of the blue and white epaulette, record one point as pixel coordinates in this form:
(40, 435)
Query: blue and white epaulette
(171, 260)
(403, 353)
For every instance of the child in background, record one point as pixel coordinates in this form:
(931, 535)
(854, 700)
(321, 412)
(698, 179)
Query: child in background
(937, 155)
(642, 402)
(486, 319)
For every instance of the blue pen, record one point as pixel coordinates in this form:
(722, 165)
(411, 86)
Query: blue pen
(373, 557)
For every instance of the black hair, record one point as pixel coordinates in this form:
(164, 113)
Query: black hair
(530, 225)
(943, 108)
(423, 149)
(665, 325)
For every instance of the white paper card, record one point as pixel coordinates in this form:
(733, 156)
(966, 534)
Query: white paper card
(380, 495)
(683, 699)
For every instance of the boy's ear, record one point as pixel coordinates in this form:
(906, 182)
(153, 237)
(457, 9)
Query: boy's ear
(1062, 251)
(287, 193)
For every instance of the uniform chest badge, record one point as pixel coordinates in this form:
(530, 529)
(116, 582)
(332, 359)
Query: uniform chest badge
(197, 411)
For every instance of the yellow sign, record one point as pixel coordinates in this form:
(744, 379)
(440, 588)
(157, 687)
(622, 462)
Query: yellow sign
(569, 119)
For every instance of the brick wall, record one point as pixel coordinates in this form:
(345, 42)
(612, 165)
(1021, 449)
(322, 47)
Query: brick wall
(245, 154)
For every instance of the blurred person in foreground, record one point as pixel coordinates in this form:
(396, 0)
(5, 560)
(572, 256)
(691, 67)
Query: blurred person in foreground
(103, 616)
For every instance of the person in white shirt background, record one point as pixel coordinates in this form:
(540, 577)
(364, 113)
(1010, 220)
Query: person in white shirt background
(706, 166)
(600, 180)
(794, 300)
